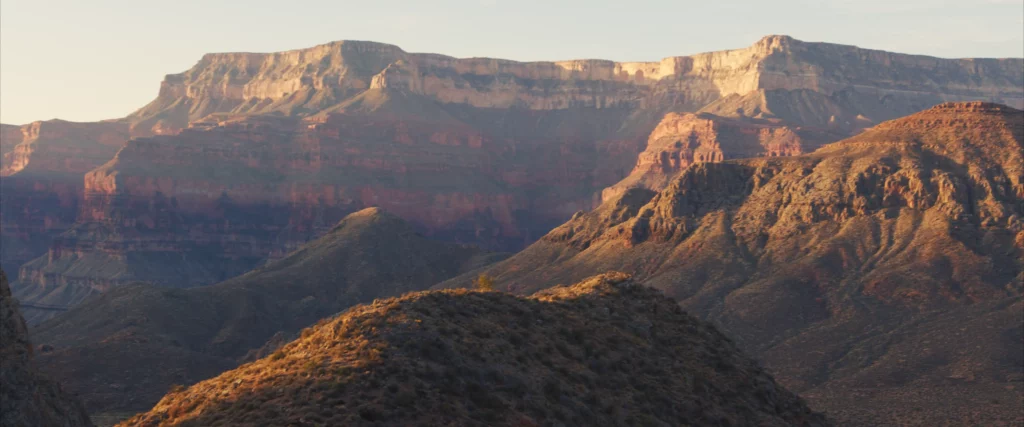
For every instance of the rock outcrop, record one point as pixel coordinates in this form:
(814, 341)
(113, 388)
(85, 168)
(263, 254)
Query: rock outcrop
(864, 265)
(26, 397)
(682, 140)
(605, 351)
(123, 349)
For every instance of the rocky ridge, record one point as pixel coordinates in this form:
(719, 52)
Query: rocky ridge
(606, 351)
(839, 268)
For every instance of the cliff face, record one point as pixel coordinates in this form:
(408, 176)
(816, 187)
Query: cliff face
(27, 398)
(844, 269)
(247, 156)
(682, 140)
(124, 349)
(307, 81)
(605, 351)
(238, 190)
(10, 136)
(42, 181)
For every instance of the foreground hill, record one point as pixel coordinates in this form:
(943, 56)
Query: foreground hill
(856, 272)
(125, 348)
(26, 397)
(605, 351)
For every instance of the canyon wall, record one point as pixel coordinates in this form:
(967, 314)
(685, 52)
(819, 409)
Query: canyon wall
(246, 156)
(41, 181)
(307, 81)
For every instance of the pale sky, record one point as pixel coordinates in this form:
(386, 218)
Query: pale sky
(100, 59)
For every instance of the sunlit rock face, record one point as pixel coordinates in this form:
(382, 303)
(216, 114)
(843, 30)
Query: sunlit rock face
(882, 85)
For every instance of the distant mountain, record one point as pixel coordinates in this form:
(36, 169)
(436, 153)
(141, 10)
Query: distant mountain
(123, 349)
(246, 156)
(858, 272)
(606, 351)
(26, 397)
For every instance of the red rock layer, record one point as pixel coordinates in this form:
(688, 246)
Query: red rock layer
(681, 140)
(42, 181)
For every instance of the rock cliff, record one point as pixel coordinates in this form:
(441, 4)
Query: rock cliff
(308, 81)
(10, 136)
(856, 271)
(26, 397)
(682, 140)
(41, 186)
(247, 156)
(605, 351)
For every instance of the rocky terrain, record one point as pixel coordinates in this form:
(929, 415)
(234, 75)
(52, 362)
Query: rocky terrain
(26, 397)
(122, 350)
(606, 351)
(857, 272)
(247, 156)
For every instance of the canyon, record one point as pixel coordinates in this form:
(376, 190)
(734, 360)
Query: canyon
(247, 156)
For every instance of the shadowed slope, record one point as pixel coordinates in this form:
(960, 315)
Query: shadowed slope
(124, 348)
(27, 398)
(603, 352)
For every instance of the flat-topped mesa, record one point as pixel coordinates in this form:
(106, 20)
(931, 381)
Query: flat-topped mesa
(307, 81)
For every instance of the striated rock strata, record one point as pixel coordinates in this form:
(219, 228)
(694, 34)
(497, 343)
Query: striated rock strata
(856, 272)
(247, 156)
(605, 351)
(27, 398)
(322, 78)
(41, 181)
(682, 140)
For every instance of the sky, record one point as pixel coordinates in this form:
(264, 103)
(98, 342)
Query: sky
(101, 59)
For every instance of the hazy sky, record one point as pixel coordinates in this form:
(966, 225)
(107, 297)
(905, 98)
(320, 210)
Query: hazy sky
(98, 59)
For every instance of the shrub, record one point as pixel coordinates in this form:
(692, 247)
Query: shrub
(484, 283)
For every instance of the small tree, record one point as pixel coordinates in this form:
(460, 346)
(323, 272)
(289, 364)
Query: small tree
(484, 283)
